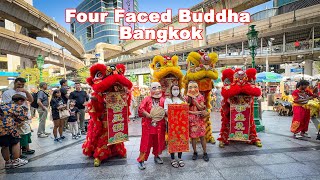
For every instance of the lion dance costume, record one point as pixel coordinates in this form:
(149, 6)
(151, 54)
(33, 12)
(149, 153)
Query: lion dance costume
(167, 72)
(239, 89)
(201, 68)
(103, 80)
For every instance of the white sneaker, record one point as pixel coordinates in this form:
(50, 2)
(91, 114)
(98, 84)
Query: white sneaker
(42, 136)
(297, 136)
(8, 164)
(19, 162)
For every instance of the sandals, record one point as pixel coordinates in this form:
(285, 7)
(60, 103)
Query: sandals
(174, 163)
(181, 163)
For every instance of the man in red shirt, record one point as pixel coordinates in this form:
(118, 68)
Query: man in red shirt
(301, 114)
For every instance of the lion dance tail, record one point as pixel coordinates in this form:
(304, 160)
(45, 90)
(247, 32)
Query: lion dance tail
(209, 136)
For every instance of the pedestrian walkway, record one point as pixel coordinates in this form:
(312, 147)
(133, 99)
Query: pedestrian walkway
(281, 157)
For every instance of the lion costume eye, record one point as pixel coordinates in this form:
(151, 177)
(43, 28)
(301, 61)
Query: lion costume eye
(158, 65)
(191, 64)
(98, 75)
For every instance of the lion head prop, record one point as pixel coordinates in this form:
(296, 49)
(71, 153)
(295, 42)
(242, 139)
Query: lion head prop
(166, 71)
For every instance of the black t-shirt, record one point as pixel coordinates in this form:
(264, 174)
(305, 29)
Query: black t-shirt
(73, 115)
(55, 103)
(80, 97)
(63, 92)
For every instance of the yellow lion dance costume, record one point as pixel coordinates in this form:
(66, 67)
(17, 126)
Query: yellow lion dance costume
(201, 68)
(166, 71)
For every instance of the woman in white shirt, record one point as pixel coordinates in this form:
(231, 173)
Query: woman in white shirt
(175, 98)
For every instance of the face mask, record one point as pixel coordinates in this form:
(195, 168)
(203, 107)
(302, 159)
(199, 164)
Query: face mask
(175, 93)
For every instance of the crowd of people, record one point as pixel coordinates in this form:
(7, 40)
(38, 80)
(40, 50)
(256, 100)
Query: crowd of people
(19, 107)
(67, 110)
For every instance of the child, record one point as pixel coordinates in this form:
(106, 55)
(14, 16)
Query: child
(10, 115)
(197, 112)
(25, 133)
(174, 99)
(73, 119)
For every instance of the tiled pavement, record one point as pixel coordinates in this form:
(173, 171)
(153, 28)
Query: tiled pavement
(281, 157)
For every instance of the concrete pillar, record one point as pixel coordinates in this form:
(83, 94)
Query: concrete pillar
(287, 70)
(284, 43)
(261, 45)
(101, 57)
(203, 42)
(308, 67)
(242, 48)
(312, 45)
(140, 80)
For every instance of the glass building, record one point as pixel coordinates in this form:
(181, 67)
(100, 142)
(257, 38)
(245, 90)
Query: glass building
(91, 34)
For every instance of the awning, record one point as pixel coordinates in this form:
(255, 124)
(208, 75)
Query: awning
(9, 74)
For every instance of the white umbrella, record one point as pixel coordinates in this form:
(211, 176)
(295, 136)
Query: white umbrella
(317, 77)
(285, 78)
(302, 76)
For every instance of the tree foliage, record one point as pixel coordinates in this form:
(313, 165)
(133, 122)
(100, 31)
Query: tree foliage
(32, 75)
(83, 74)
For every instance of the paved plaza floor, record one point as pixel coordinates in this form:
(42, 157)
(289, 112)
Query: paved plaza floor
(281, 157)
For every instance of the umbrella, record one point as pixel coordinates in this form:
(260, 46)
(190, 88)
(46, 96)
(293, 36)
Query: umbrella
(268, 77)
(70, 83)
(298, 77)
(317, 77)
(285, 78)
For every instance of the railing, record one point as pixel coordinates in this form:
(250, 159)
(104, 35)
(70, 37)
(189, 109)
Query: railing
(276, 50)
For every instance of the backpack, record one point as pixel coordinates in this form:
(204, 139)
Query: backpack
(34, 103)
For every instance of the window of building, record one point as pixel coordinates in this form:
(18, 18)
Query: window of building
(73, 28)
(90, 32)
(2, 24)
(3, 66)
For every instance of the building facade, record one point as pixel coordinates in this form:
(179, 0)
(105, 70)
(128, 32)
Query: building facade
(9, 64)
(91, 34)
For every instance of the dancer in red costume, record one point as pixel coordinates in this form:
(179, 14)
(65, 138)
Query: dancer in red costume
(104, 79)
(153, 126)
(237, 83)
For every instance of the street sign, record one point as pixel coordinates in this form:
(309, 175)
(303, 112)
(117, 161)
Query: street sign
(296, 70)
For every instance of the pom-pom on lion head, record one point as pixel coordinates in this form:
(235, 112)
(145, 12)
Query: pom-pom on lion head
(103, 78)
(227, 76)
(166, 71)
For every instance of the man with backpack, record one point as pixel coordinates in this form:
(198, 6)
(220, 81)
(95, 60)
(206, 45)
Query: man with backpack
(43, 105)
(34, 104)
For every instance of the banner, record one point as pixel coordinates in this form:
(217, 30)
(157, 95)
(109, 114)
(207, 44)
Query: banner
(178, 128)
(117, 113)
(128, 6)
(240, 112)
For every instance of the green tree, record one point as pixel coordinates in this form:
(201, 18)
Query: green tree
(83, 74)
(133, 77)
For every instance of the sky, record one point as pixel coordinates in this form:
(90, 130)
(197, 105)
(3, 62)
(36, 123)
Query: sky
(56, 10)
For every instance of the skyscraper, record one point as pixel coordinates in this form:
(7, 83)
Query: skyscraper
(91, 34)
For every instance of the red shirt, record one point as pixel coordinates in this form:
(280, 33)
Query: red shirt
(298, 95)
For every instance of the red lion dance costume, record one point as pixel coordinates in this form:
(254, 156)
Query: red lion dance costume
(103, 80)
(239, 89)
